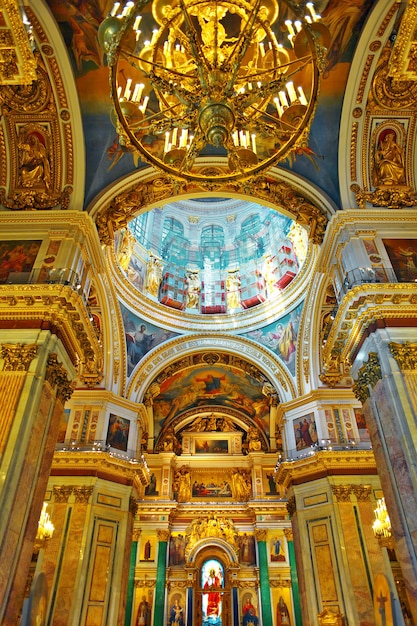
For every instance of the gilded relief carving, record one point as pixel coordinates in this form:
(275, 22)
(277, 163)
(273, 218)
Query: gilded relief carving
(57, 376)
(368, 376)
(129, 203)
(342, 492)
(405, 354)
(18, 357)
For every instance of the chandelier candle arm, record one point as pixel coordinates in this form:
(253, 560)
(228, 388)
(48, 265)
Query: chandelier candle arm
(213, 78)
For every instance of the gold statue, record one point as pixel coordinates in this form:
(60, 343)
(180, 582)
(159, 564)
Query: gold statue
(388, 161)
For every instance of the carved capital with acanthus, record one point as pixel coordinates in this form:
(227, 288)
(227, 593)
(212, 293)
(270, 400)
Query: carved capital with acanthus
(368, 376)
(362, 492)
(18, 357)
(57, 377)
(291, 506)
(82, 494)
(261, 534)
(62, 494)
(405, 354)
(288, 534)
(163, 535)
(342, 492)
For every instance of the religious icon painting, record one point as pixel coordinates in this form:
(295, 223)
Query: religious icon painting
(277, 548)
(212, 581)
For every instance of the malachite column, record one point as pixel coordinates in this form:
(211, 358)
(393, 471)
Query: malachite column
(235, 604)
(131, 579)
(261, 536)
(294, 578)
(189, 606)
(163, 538)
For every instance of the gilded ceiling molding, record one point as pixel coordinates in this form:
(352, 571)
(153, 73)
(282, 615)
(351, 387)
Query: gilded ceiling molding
(17, 66)
(405, 354)
(18, 357)
(368, 376)
(126, 205)
(403, 61)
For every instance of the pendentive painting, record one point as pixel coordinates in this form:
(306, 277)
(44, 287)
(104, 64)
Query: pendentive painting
(281, 337)
(140, 337)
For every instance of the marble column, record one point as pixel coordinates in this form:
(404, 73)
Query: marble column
(261, 537)
(131, 578)
(163, 538)
(294, 578)
(385, 386)
(34, 386)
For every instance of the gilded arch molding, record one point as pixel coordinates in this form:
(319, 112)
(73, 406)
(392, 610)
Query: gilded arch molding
(272, 190)
(181, 347)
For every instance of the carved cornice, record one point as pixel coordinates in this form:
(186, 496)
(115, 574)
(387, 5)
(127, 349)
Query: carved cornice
(364, 307)
(280, 193)
(63, 309)
(325, 463)
(18, 357)
(57, 377)
(101, 464)
(368, 376)
(405, 354)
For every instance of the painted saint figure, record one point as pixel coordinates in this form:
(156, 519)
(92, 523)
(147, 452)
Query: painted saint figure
(176, 615)
(213, 583)
(144, 613)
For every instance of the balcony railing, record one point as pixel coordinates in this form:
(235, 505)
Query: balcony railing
(326, 445)
(370, 275)
(131, 456)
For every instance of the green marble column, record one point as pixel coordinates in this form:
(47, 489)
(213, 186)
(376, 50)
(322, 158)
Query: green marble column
(131, 582)
(163, 538)
(261, 536)
(294, 580)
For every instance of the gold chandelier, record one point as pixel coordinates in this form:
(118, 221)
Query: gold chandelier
(381, 524)
(198, 83)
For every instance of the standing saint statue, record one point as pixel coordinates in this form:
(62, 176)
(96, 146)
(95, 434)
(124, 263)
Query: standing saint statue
(389, 168)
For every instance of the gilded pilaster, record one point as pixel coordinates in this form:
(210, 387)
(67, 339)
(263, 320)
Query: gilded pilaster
(406, 356)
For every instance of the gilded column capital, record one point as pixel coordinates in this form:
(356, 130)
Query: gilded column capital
(342, 492)
(261, 534)
(362, 492)
(82, 494)
(133, 506)
(163, 535)
(291, 506)
(288, 534)
(18, 357)
(57, 376)
(368, 375)
(405, 354)
(136, 534)
(62, 494)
